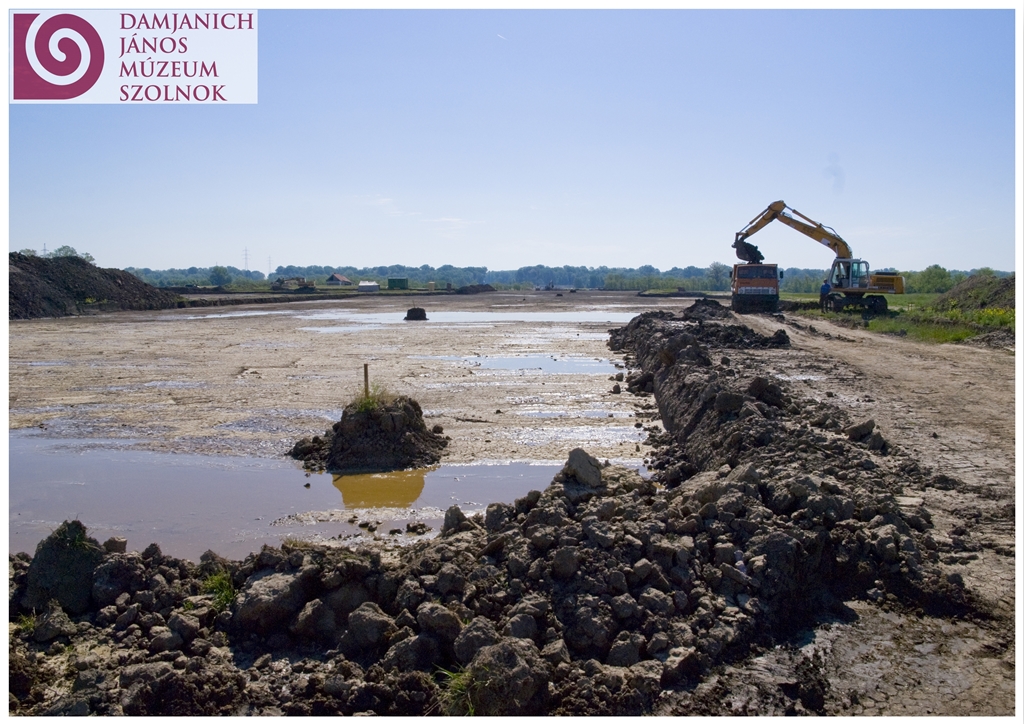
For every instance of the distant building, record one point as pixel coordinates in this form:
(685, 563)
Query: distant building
(398, 283)
(338, 280)
(365, 286)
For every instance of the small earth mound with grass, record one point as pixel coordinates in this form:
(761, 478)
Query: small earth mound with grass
(377, 433)
(980, 291)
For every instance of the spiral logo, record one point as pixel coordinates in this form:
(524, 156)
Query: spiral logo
(56, 57)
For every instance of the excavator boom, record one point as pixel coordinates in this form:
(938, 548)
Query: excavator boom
(819, 232)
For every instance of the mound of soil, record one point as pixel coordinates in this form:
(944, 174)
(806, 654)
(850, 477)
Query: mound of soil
(385, 437)
(416, 314)
(65, 286)
(786, 305)
(980, 292)
(705, 309)
(475, 289)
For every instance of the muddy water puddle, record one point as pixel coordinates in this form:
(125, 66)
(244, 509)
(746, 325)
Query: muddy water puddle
(546, 363)
(191, 503)
(350, 322)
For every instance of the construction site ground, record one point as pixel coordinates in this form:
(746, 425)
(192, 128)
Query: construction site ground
(252, 380)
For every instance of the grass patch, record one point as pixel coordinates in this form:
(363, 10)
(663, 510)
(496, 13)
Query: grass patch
(292, 543)
(72, 534)
(922, 331)
(26, 624)
(456, 695)
(222, 588)
(378, 397)
(926, 324)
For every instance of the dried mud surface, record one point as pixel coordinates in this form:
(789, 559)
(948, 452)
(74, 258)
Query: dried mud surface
(946, 413)
(252, 381)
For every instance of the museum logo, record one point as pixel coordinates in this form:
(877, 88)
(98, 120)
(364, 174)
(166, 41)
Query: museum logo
(56, 57)
(134, 57)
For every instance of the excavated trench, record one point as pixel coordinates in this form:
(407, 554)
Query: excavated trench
(599, 595)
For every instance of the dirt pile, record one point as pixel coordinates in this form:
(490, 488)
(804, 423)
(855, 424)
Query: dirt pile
(980, 292)
(65, 286)
(475, 289)
(374, 436)
(827, 487)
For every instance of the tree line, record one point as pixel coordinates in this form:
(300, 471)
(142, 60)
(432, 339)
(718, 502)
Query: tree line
(715, 277)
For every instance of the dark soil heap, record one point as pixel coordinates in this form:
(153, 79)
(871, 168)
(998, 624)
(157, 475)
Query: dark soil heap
(374, 438)
(65, 286)
(980, 292)
(592, 597)
(475, 289)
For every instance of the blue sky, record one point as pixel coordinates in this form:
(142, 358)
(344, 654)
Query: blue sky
(512, 138)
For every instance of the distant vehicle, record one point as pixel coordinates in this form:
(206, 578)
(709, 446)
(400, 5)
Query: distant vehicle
(851, 279)
(293, 283)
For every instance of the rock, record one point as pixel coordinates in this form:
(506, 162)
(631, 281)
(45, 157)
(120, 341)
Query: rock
(497, 516)
(185, 625)
(267, 600)
(478, 633)
(860, 430)
(453, 520)
(115, 544)
(435, 619)
(53, 623)
(624, 606)
(315, 621)
(766, 391)
(682, 664)
(117, 574)
(416, 653)
(656, 602)
(521, 626)
(347, 598)
(416, 314)
(63, 568)
(876, 442)
(566, 562)
(728, 402)
(493, 548)
(556, 653)
(163, 639)
(584, 468)
(369, 625)
(509, 679)
(625, 649)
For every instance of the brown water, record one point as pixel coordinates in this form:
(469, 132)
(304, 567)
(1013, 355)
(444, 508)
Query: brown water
(191, 503)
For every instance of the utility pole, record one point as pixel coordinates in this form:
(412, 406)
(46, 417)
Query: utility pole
(268, 267)
(246, 256)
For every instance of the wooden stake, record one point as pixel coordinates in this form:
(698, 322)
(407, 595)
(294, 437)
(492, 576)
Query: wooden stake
(366, 379)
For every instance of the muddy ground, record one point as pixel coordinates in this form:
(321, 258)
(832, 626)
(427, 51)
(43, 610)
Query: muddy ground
(252, 381)
(248, 384)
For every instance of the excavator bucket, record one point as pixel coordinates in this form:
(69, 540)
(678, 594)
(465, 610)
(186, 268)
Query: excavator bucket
(748, 252)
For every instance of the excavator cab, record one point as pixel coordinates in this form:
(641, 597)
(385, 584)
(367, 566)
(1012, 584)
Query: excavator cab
(850, 274)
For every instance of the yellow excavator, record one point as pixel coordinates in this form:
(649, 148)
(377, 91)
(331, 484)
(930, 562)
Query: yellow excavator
(851, 279)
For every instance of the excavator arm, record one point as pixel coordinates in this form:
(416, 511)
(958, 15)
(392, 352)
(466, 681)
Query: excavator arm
(820, 233)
